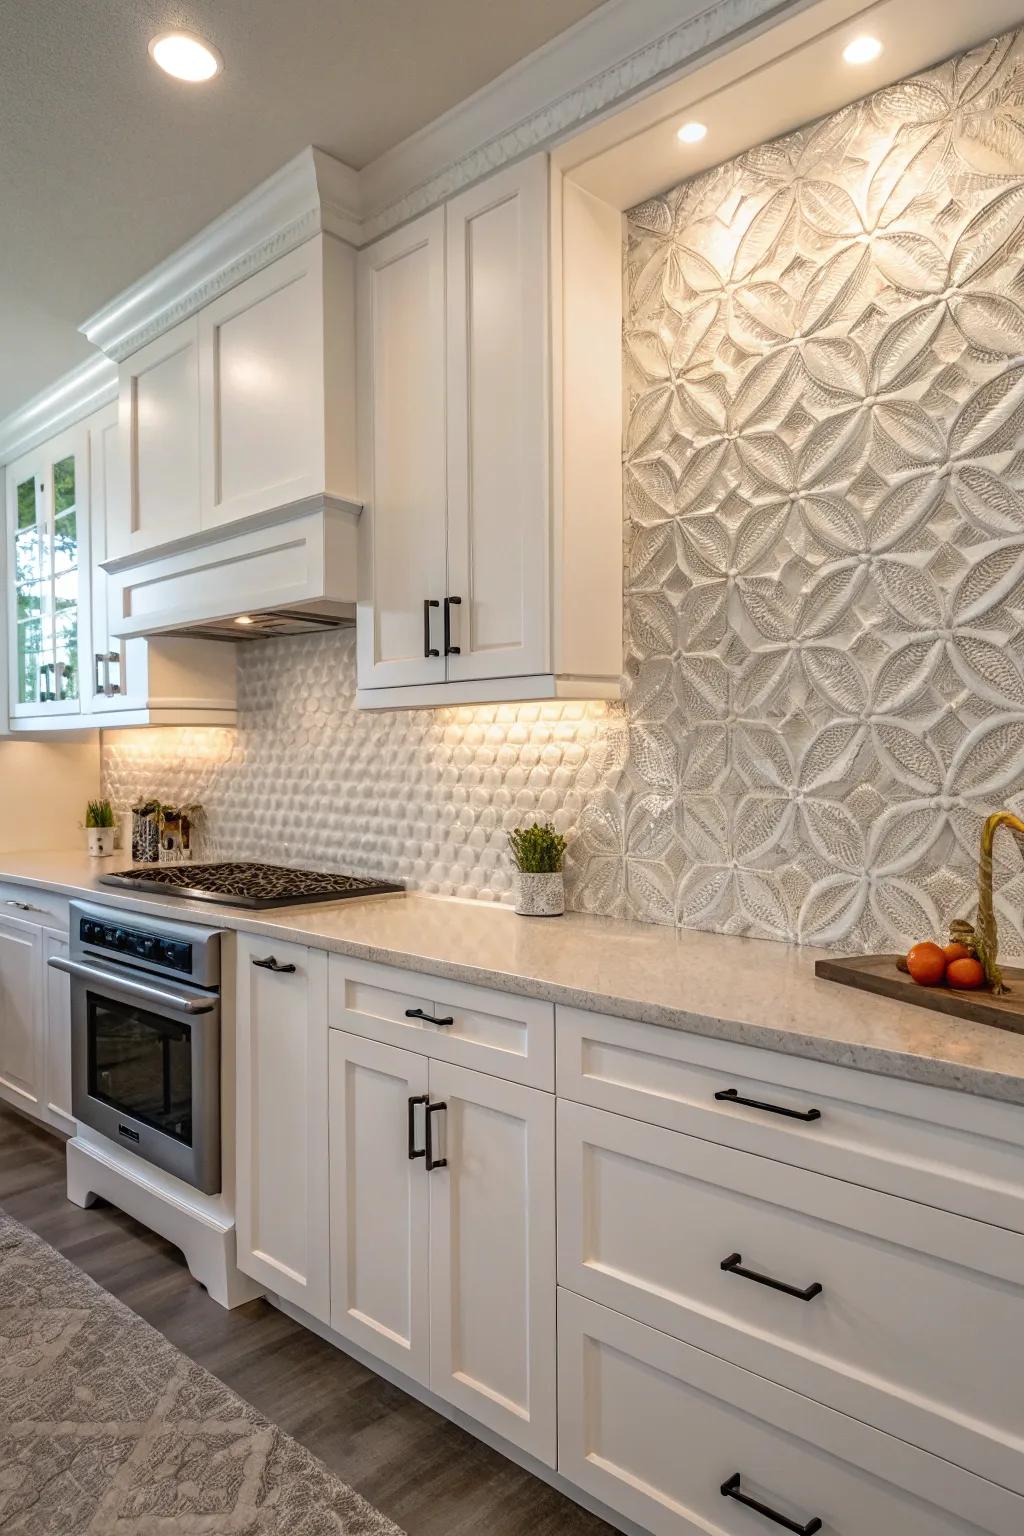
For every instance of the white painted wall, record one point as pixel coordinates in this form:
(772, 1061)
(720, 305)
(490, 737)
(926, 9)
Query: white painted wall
(44, 786)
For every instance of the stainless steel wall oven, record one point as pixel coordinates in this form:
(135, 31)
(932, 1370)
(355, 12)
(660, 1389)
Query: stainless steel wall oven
(145, 1037)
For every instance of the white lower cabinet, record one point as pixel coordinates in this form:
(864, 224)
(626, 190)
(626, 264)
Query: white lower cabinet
(750, 1334)
(281, 1108)
(669, 1436)
(842, 1293)
(380, 1199)
(443, 1231)
(492, 1254)
(22, 1057)
(35, 1014)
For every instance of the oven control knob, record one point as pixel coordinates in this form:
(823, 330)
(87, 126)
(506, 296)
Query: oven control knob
(145, 947)
(120, 938)
(89, 931)
(171, 954)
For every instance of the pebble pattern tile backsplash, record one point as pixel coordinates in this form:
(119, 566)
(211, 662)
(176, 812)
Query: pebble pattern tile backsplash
(824, 495)
(421, 795)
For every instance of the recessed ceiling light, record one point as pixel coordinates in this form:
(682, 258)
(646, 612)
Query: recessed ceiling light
(185, 56)
(692, 133)
(862, 50)
(243, 618)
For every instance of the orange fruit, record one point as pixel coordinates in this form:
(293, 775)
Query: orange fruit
(967, 973)
(926, 964)
(956, 952)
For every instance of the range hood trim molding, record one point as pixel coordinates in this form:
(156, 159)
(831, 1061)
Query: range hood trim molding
(302, 560)
(207, 538)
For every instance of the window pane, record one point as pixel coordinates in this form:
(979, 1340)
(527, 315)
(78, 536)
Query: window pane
(30, 645)
(27, 503)
(30, 601)
(67, 652)
(65, 542)
(64, 484)
(28, 556)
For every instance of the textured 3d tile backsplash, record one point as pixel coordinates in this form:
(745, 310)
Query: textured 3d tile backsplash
(825, 574)
(423, 795)
(825, 492)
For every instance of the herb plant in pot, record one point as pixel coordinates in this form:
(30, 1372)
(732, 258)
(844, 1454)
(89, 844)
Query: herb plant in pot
(99, 828)
(537, 853)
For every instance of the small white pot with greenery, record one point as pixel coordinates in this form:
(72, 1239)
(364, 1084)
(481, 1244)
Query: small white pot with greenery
(100, 828)
(537, 853)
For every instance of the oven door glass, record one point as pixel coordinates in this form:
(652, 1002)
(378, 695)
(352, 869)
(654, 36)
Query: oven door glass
(140, 1063)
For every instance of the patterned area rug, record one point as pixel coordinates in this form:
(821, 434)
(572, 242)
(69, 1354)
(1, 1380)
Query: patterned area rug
(107, 1430)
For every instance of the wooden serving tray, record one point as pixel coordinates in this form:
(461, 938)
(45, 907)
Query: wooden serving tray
(878, 974)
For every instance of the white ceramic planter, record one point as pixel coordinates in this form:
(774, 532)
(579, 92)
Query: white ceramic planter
(100, 841)
(540, 895)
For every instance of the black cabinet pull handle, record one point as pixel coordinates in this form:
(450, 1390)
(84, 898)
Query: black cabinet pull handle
(733, 1266)
(428, 649)
(449, 604)
(270, 964)
(731, 1490)
(417, 1098)
(732, 1095)
(428, 1018)
(432, 1161)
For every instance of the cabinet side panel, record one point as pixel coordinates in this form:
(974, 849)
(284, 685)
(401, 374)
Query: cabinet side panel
(588, 531)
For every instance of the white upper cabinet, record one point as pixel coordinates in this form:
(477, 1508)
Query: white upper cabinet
(158, 493)
(402, 456)
(491, 562)
(276, 409)
(48, 588)
(67, 669)
(243, 409)
(498, 388)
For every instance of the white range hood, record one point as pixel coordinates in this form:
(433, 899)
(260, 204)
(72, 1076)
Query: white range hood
(290, 571)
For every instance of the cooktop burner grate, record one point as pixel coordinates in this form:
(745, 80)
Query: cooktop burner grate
(247, 885)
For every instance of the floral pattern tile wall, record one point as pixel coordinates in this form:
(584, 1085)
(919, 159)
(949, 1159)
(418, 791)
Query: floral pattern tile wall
(824, 495)
(824, 483)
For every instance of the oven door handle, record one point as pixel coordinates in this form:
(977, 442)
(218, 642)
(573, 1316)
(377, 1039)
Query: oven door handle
(126, 984)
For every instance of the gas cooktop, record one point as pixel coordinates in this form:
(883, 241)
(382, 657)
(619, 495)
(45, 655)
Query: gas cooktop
(254, 886)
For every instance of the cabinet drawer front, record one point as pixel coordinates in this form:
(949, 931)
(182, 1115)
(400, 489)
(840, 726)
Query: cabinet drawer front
(943, 1148)
(649, 1218)
(495, 1032)
(33, 906)
(655, 1428)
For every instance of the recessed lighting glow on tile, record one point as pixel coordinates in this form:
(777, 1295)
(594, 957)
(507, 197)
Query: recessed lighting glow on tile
(862, 50)
(692, 133)
(185, 56)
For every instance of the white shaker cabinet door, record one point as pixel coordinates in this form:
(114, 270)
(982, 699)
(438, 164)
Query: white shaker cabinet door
(401, 411)
(21, 1052)
(158, 495)
(492, 1253)
(281, 1082)
(498, 412)
(379, 1200)
(262, 389)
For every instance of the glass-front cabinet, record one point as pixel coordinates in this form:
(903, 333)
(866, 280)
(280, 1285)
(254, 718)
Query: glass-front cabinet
(47, 543)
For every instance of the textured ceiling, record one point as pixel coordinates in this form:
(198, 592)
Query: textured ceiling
(106, 165)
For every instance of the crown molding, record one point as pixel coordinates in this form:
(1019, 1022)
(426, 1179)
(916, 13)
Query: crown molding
(620, 51)
(85, 389)
(312, 194)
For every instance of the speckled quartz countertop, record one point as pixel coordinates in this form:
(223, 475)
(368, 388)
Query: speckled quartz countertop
(752, 991)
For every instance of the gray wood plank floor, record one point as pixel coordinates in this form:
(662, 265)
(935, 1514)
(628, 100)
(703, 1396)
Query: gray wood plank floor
(429, 1476)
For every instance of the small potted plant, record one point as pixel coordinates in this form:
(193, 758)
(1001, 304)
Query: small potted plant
(99, 828)
(537, 853)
